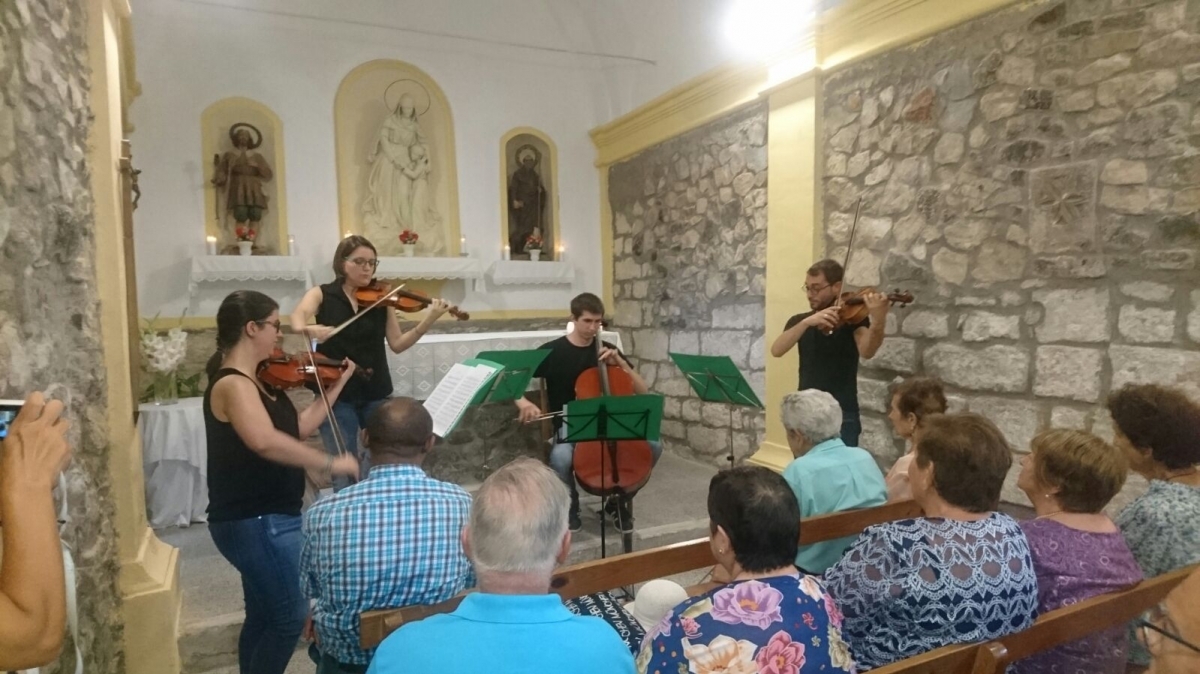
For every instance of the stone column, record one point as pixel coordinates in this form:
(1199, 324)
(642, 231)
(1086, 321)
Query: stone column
(791, 239)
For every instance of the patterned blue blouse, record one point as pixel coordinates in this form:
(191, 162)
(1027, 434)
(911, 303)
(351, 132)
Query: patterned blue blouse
(1162, 529)
(911, 586)
(779, 625)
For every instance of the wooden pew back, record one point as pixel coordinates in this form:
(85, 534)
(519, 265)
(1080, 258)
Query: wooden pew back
(599, 575)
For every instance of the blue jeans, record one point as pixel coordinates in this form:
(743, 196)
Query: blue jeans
(851, 429)
(266, 552)
(562, 460)
(351, 418)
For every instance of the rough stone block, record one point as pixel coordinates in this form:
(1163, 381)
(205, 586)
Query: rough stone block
(1073, 315)
(683, 341)
(1068, 372)
(925, 323)
(628, 314)
(732, 343)
(651, 344)
(1154, 365)
(998, 105)
(873, 395)
(1010, 492)
(1079, 100)
(1071, 266)
(626, 269)
(707, 442)
(1133, 200)
(1069, 418)
(1169, 50)
(741, 316)
(1146, 325)
(1102, 69)
(1019, 420)
(1137, 88)
(1169, 259)
(999, 261)
(980, 326)
(1124, 172)
(949, 148)
(1016, 70)
(1193, 321)
(1148, 291)
(897, 354)
(995, 368)
(878, 439)
(716, 414)
(949, 266)
(967, 234)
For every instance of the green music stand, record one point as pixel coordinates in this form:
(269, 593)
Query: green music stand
(612, 418)
(716, 379)
(514, 378)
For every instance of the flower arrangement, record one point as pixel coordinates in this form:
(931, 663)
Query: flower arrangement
(164, 354)
(408, 237)
(533, 242)
(245, 233)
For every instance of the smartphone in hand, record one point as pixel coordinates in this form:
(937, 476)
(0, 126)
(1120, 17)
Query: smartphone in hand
(8, 412)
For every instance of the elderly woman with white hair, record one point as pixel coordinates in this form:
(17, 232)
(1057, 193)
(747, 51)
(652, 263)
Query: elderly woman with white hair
(827, 476)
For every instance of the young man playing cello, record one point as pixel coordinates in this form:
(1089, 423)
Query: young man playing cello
(829, 351)
(569, 356)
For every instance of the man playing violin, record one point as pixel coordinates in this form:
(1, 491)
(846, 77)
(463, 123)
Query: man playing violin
(569, 356)
(362, 341)
(829, 349)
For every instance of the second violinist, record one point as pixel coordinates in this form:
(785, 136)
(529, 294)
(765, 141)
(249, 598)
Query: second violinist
(363, 341)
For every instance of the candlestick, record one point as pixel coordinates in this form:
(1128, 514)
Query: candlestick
(292, 245)
(211, 244)
(507, 255)
(462, 246)
(562, 252)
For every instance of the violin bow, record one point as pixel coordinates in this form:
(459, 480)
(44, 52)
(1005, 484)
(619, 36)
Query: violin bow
(371, 306)
(333, 422)
(850, 245)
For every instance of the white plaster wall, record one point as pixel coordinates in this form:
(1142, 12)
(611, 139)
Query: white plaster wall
(586, 66)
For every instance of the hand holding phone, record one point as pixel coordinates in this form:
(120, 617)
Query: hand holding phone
(35, 444)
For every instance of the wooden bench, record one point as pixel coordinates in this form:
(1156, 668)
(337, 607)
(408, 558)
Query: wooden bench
(1053, 629)
(599, 575)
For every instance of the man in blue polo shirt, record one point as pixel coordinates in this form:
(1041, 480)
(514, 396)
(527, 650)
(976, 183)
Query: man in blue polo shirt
(827, 476)
(516, 535)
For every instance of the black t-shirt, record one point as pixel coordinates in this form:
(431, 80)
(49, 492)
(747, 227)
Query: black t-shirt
(830, 362)
(241, 483)
(363, 342)
(561, 368)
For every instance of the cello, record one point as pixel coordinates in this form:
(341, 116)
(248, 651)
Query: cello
(610, 468)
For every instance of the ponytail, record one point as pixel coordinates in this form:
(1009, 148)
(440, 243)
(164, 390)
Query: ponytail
(237, 309)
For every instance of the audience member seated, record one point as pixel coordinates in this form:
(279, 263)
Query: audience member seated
(1171, 632)
(1158, 429)
(912, 400)
(516, 535)
(33, 606)
(390, 540)
(827, 476)
(769, 618)
(962, 573)
(1078, 552)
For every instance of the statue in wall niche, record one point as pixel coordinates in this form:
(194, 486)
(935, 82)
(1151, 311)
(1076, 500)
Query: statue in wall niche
(526, 199)
(239, 175)
(398, 191)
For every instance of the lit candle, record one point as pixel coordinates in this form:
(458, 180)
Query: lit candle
(211, 244)
(462, 246)
(562, 252)
(507, 253)
(292, 245)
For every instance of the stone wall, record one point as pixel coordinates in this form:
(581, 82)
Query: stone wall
(49, 319)
(1034, 177)
(689, 259)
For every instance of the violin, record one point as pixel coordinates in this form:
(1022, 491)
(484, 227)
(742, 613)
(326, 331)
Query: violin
(852, 305)
(408, 301)
(610, 467)
(284, 371)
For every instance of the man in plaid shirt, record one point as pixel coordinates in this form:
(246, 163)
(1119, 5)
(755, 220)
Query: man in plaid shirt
(391, 540)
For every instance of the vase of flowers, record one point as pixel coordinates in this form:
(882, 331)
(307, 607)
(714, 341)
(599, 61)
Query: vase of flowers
(245, 238)
(408, 239)
(164, 354)
(533, 246)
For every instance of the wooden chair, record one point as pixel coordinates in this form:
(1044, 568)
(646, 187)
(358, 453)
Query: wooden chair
(599, 575)
(1053, 629)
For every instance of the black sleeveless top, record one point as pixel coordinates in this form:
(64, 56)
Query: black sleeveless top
(242, 484)
(363, 342)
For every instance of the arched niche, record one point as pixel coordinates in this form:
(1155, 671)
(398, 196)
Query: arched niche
(396, 167)
(520, 141)
(215, 141)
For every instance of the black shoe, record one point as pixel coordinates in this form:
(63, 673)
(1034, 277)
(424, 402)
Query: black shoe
(573, 521)
(620, 510)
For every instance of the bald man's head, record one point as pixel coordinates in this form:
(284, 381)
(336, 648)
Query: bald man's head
(399, 428)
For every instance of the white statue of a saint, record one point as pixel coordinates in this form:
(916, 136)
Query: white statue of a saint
(398, 196)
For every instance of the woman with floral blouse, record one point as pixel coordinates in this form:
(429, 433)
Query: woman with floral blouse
(769, 618)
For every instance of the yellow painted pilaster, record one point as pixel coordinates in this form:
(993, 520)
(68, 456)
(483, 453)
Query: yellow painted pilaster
(149, 579)
(792, 211)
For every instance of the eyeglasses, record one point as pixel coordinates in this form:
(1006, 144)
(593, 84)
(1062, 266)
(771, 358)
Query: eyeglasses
(1152, 642)
(275, 324)
(363, 263)
(815, 289)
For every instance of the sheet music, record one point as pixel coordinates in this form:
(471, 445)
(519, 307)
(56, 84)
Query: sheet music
(453, 393)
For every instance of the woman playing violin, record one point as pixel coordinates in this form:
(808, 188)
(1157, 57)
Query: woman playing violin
(256, 463)
(829, 348)
(362, 341)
